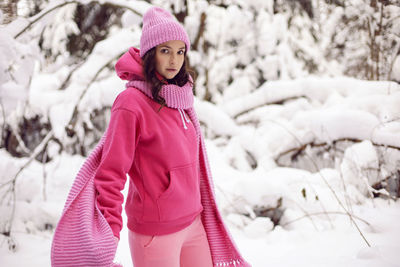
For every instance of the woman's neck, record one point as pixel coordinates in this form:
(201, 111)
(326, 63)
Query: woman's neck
(161, 78)
(165, 80)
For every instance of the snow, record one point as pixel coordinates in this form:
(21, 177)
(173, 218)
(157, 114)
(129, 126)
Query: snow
(265, 102)
(314, 241)
(219, 122)
(396, 69)
(360, 166)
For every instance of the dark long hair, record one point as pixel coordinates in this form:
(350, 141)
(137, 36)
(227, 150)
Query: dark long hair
(149, 73)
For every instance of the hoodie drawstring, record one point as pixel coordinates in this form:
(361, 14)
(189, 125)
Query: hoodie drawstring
(183, 115)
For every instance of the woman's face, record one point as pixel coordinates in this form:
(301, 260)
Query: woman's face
(169, 58)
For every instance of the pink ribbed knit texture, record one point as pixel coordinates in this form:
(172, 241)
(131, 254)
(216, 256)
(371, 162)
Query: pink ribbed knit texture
(83, 237)
(160, 26)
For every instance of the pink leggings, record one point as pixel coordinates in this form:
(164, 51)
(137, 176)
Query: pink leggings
(185, 248)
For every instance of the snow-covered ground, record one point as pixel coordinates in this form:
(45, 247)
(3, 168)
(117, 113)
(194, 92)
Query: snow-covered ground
(341, 246)
(320, 240)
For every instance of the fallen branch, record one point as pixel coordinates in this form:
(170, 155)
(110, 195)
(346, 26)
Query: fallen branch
(302, 148)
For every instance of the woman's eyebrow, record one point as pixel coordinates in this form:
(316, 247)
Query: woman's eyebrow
(171, 47)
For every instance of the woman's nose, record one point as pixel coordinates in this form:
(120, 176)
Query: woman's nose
(172, 60)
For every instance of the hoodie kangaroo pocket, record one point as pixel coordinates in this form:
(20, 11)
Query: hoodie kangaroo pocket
(182, 197)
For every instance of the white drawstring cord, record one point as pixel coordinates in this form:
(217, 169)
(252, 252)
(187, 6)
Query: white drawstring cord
(183, 121)
(184, 114)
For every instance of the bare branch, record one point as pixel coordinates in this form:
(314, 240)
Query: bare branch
(66, 81)
(200, 33)
(71, 125)
(44, 13)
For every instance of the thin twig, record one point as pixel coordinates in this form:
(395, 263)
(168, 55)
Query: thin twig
(322, 213)
(44, 158)
(20, 141)
(346, 195)
(3, 126)
(306, 214)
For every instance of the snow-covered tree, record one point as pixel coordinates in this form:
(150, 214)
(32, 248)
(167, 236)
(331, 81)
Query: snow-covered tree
(366, 39)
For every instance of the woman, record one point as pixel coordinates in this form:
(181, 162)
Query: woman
(155, 137)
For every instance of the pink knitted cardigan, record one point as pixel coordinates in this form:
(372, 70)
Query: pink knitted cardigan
(84, 238)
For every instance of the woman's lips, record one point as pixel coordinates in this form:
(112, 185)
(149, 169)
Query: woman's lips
(171, 70)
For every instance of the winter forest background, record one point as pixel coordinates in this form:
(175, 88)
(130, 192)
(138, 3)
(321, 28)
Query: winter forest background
(299, 102)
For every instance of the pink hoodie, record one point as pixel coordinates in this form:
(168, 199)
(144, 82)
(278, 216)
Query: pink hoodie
(159, 151)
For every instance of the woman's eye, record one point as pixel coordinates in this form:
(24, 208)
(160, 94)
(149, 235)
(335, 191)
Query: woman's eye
(164, 51)
(181, 52)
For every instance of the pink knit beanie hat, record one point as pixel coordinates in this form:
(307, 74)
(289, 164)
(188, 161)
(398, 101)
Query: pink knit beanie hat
(160, 26)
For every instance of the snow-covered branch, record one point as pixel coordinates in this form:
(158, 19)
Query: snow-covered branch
(128, 5)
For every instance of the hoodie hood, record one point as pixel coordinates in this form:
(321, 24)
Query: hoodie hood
(129, 66)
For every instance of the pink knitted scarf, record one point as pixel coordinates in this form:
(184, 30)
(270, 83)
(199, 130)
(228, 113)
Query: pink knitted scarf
(83, 236)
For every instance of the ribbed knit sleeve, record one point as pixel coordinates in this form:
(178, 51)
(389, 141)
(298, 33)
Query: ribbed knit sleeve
(117, 158)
